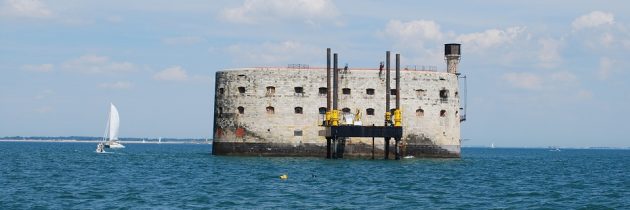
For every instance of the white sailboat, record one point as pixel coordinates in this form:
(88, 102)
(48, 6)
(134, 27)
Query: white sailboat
(111, 133)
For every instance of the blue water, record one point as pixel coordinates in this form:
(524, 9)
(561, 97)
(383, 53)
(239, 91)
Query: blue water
(150, 176)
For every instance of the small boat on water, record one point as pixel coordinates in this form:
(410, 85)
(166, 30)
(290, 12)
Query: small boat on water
(100, 147)
(111, 133)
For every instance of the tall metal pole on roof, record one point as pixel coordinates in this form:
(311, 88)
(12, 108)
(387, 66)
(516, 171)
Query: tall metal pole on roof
(397, 81)
(387, 92)
(335, 82)
(328, 88)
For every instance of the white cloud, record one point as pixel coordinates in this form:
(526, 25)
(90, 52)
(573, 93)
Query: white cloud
(38, 67)
(549, 54)
(95, 64)
(563, 77)
(413, 34)
(280, 53)
(524, 80)
(593, 19)
(255, 11)
(174, 73)
(26, 8)
(605, 67)
(182, 40)
(116, 85)
(490, 38)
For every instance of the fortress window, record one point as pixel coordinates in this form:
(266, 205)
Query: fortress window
(270, 110)
(297, 133)
(298, 110)
(393, 92)
(421, 92)
(444, 95)
(443, 113)
(270, 90)
(369, 111)
(323, 91)
(322, 110)
(369, 91)
(241, 110)
(420, 112)
(346, 110)
(346, 91)
(220, 111)
(299, 91)
(456, 94)
(241, 89)
(221, 91)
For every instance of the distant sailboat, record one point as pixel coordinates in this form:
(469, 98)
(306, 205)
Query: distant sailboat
(113, 125)
(492, 145)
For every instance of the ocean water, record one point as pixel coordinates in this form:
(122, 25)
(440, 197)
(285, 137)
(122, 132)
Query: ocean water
(152, 176)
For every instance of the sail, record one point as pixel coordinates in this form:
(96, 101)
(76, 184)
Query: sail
(114, 123)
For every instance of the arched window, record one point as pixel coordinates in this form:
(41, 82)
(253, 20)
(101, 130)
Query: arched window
(270, 90)
(241, 110)
(369, 91)
(345, 110)
(241, 89)
(420, 112)
(443, 113)
(345, 91)
(369, 111)
(298, 110)
(322, 110)
(270, 110)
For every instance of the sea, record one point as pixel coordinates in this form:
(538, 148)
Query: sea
(187, 176)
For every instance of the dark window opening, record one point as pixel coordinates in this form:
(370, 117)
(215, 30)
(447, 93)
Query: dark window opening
(241, 110)
(346, 91)
(393, 92)
(299, 90)
(443, 113)
(456, 94)
(420, 112)
(298, 110)
(297, 133)
(369, 91)
(444, 95)
(270, 90)
(220, 111)
(346, 110)
(221, 91)
(270, 110)
(323, 91)
(369, 111)
(241, 89)
(322, 110)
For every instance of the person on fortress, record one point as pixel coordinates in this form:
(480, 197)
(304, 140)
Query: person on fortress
(345, 68)
(380, 69)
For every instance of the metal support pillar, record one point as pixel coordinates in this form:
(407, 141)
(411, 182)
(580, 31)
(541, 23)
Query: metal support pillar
(387, 148)
(328, 141)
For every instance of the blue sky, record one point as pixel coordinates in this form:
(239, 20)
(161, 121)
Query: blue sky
(540, 73)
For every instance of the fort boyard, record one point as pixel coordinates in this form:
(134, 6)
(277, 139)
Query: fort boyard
(336, 111)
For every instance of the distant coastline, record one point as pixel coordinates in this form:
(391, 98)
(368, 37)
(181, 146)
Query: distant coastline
(89, 139)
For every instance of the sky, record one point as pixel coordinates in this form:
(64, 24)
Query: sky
(539, 73)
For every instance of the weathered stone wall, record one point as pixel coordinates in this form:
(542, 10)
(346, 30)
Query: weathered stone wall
(433, 132)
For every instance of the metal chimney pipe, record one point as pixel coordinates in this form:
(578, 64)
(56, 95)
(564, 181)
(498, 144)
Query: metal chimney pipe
(335, 82)
(328, 90)
(397, 81)
(387, 88)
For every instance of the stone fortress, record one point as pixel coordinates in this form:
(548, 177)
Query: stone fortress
(280, 111)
